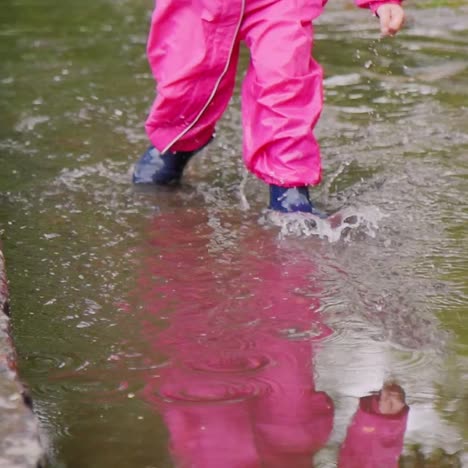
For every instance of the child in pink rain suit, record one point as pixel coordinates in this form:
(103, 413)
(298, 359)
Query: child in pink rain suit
(193, 50)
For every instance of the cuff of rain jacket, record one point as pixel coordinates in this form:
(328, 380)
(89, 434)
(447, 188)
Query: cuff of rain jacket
(373, 6)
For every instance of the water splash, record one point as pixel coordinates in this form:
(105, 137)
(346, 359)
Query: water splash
(348, 224)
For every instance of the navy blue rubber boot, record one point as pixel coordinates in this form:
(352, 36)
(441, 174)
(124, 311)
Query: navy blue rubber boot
(161, 169)
(292, 200)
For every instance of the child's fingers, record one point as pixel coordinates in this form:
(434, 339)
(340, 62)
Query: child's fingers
(391, 19)
(397, 18)
(384, 15)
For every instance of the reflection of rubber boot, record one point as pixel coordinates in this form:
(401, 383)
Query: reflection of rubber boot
(162, 169)
(292, 200)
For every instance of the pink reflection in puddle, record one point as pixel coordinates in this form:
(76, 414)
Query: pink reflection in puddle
(238, 390)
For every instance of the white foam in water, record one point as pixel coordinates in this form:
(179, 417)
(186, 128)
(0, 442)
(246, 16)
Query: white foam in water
(343, 80)
(337, 226)
(74, 179)
(28, 123)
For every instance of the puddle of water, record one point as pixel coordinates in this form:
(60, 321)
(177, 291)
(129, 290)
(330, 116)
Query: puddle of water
(191, 325)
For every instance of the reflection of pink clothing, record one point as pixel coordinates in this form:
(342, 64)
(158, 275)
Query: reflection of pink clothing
(269, 417)
(292, 421)
(193, 50)
(211, 436)
(238, 391)
(374, 440)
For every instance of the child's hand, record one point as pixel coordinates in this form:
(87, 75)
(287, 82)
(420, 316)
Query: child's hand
(391, 17)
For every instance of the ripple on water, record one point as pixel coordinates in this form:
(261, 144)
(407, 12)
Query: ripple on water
(208, 391)
(91, 388)
(362, 360)
(342, 334)
(231, 363)
(40, 364)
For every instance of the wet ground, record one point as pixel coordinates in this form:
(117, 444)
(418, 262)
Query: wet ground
(191, 317)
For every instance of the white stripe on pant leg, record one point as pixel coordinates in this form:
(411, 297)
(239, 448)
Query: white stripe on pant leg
(218, 82)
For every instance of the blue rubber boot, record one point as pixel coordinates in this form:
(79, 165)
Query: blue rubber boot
(161, 169)
(292, 200)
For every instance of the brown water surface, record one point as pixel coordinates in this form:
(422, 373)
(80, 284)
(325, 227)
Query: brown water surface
(147, 315)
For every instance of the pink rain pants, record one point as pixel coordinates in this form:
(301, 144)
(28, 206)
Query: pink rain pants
(193, 50)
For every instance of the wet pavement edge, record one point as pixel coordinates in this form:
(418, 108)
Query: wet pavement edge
(20, 442)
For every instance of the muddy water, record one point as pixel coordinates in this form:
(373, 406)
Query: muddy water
(191, 319)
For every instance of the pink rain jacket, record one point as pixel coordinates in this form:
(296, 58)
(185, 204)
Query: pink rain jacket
(193, 50)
